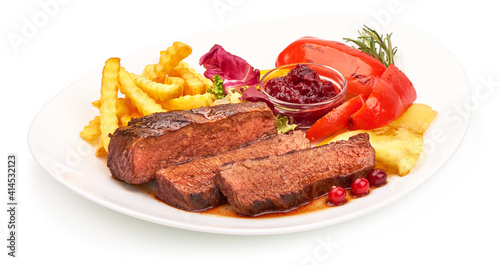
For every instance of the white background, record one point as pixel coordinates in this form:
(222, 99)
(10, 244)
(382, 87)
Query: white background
(452, 219)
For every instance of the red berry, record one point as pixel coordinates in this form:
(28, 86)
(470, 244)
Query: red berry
(336, 195)
(359, 187)
(377, 177)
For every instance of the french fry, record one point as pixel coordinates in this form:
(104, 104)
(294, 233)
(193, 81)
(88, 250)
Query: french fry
(109, 95)
(145, 104)
(149, 72)
(122, 108)
(169, 59)
(159, 91)
(92, 131)
(100, 151)
(194, 85)
(207, 82)
(129, 116)
(172, 80)
(125, 109)
(97, 104)
(189, 102)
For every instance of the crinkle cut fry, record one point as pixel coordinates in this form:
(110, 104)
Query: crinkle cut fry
(189, 102)
(145, 104)
(207, 82)
(109, 95)
(194, 85)
(169, 59)
(149, 72)
(159, 91)
(92, 131)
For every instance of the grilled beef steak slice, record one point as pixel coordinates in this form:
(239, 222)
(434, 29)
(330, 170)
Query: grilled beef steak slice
(284, 182)
(155, 141)
(191, 185)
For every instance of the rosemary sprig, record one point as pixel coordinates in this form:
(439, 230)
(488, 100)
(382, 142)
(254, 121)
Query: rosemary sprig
(375, 45)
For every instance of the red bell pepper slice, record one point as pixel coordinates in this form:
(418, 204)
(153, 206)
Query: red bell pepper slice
(360, 69)
(335, 120)
(391, 97)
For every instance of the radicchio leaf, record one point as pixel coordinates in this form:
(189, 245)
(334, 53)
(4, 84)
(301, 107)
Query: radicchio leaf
(255, 95)
(234, 71)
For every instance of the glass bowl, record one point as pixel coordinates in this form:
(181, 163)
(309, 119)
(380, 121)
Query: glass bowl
(306, 114)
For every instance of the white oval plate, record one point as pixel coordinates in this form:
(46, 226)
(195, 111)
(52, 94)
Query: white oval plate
(438, 77)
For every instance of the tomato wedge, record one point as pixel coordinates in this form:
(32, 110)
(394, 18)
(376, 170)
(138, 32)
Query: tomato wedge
(360, 69)
(335, 120)
(391, 97)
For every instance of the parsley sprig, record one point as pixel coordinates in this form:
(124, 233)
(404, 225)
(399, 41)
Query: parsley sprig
(217, 87)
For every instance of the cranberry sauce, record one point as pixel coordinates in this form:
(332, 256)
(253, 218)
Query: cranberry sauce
(301, 85)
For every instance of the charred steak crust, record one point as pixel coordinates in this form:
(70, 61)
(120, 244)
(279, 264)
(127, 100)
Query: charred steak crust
(191, 185)
(284, 182)
(154, 141)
